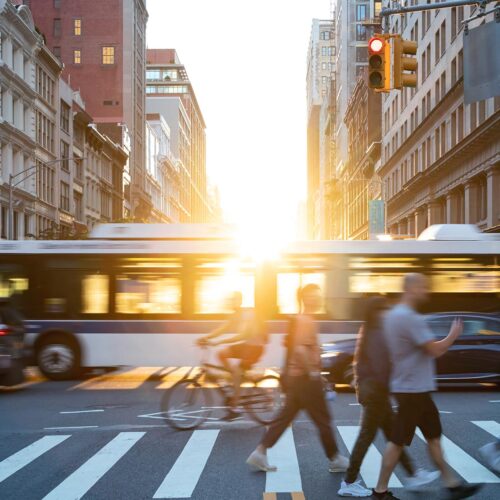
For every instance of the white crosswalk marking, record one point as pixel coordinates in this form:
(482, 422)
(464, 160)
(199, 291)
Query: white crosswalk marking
(489, 426)
(370, 467)
(284, 455)
(78, 483)
(25, 456)
(183, 477)
(469, 468)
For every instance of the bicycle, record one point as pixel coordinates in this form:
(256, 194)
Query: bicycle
(188, 403)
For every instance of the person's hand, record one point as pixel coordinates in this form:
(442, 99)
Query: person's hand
(456, 328)
(202, 342)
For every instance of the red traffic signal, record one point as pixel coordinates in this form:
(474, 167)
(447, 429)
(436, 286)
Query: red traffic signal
(376, 45)
(378, 77)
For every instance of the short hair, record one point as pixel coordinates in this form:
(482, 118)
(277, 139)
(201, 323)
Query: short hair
(411, 279)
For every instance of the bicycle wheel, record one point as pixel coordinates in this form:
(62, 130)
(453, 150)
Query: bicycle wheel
(265, 399)
(186, 405)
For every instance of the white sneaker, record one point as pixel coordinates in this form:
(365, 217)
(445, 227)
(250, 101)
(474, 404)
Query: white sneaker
(259, 461)
(421, 478)
(355, 489)
(338, 464)
(491, 454)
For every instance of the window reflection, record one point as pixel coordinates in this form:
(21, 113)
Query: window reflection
(148, 286)
(95, 294)
(216, 280)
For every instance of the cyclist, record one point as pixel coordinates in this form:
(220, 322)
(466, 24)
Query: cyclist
(246, 345)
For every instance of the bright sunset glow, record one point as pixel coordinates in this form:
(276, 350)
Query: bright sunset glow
(247, 64)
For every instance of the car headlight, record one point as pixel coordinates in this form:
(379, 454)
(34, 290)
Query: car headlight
(330, 354)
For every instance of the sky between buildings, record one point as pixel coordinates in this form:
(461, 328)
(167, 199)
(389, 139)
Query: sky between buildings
(247, 63)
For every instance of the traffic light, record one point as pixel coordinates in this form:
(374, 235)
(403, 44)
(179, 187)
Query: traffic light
(402, 63)
(379, 63)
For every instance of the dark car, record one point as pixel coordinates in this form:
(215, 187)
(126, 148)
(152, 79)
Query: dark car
(474, 357)
(11, 345)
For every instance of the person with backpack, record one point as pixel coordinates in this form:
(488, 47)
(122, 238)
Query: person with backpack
(372, 373)
(304, 386)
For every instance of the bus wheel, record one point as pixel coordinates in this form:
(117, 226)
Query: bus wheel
(58, 357)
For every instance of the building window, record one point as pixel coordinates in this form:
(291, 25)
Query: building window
(65, 156)
(324, 51)
(65, 113)
(77, 56)
(77, 27)
(325, 35)
(77, 198)
(361, 33)
(57, 28)
(57, 4)
(361, 54)
(57, 52)
(64, 198)
(361, 12)
(323, 66)
(108, 55)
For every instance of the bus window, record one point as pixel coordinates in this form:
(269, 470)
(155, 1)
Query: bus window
(14, 284)
(217, 279)
(380, 274)
(95, 294)
(464, 275)
(148, 286)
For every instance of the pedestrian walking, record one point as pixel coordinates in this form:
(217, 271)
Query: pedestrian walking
(372, 372)
(413, 350)
(304, 387)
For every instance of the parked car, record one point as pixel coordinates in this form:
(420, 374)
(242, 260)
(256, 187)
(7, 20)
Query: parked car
(12, 354)
(474, 357)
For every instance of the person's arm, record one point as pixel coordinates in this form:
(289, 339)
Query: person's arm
(304, 351)
(437, 348)
(226, 327)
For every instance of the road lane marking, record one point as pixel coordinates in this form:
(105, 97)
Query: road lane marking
(354, 404)
(118, 380)
(76, 485)
(70, 427)
(269, 496)
(469, 468)
(79, 411)
(284, 456)
(25, 456)
(489, 426)
(445, 412)
(370, 467)
(298, 495)
(495, 401)
(184, 475)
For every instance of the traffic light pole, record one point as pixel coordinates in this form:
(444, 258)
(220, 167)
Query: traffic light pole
(385, 12)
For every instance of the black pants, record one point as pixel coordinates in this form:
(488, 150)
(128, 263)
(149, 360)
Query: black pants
(376, 414)
(304, 394)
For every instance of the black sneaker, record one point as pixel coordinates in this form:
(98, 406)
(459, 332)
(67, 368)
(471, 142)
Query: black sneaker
(387, 495)
(462, 491)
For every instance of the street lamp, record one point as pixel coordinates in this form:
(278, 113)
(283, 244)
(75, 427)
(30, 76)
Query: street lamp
(13, 184)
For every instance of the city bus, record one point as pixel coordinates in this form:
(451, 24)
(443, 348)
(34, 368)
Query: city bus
(141, 294)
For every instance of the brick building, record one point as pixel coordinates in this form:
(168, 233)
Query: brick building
(103, 48)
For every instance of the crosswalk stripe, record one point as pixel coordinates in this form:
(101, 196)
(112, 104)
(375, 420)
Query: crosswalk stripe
(119, 380)
(370, 466)
(284, 455)
(80, 481)
(25, 456)
(174, 376)
(184, 475)
(489, 426)
(469, 468)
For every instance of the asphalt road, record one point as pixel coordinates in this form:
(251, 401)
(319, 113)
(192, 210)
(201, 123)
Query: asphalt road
(102, 438)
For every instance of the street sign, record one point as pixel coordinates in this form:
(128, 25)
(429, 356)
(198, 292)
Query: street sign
(482, 62)
(376, 218)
